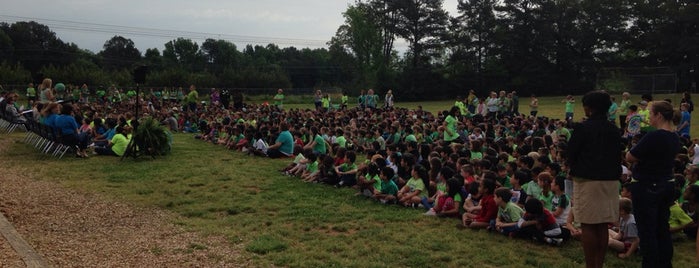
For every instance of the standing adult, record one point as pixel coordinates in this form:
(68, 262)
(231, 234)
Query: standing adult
(192, 98)
(624, 109)
(46, 91)
(472, 101)
(31, 94)
(318, 100)
(279, 98)
(515, 103)
(371, 99)
(284, 145)
(652, 188)
(450, 134)
(533, 106)
(687, 98)
(685, 121)
(388, 100)
(361, 100)
(595, 167)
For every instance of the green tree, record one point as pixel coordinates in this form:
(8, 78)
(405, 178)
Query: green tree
(184, 52)
(220, 54)
(119, 53)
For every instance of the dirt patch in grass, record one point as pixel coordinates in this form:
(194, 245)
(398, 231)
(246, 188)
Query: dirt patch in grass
(77, 229)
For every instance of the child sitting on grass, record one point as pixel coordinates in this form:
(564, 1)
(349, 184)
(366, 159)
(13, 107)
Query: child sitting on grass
(327, 173)
(297, 159)
(473, 196)
(443, 175)
(416, 188)
(538, 224)
(560, 204)
(480, 216)
(297, 170)
(447, 205)
(311, 168)
(389, 189)
(625, 242)
(348, 170)
(370, 181)
(509, 212)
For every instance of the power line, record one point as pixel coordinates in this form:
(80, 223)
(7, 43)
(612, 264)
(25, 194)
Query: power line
(163, 33)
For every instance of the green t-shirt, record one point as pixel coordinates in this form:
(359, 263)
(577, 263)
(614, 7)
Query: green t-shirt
(287, 142)
(320, 144)
(312, 167)
(532, 189)
(131, 93)
(377, 181)
(347, 167)
(570, 106)
(193, 96)
(678, 217)
(476, 155)
(119, 144)
(546, 199)
(344, 99)
(451, 127)
(417, 184)
(511, 213)
(31, 92)
(624, 107)
(341, 141)
(279, 99)
(389, 187)
(326, 102)
(461, 106)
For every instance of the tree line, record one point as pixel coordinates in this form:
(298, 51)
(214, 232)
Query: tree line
(532, 46)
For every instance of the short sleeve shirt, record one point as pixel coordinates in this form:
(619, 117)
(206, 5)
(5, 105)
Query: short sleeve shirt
(511, 213)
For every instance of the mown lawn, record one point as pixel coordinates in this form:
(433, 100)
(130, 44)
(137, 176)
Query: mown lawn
(280, 221)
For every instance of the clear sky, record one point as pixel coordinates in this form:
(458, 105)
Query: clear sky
(152, 23)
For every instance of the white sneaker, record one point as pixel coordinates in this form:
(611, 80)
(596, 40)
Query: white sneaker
(430, 213)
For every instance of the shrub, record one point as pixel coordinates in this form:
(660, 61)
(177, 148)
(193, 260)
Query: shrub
(152, 138)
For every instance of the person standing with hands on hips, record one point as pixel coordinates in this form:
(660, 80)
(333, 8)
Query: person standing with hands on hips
(652, 187)
(595, 167)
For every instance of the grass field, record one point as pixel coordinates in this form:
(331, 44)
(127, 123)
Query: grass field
(280, 221)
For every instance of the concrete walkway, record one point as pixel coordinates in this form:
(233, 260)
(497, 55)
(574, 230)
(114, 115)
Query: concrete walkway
(24, 250)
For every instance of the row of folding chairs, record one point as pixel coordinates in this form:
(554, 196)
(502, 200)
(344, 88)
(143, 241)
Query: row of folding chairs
(7, 125)
(45, 139)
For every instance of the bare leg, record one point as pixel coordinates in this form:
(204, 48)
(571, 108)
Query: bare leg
(595, 238)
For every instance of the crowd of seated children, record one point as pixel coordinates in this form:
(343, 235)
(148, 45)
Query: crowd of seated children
(416, 166)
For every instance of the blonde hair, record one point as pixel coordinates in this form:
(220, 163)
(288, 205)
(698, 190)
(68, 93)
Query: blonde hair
(47, 83)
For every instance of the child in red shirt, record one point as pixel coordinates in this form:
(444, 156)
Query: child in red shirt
(481, 215)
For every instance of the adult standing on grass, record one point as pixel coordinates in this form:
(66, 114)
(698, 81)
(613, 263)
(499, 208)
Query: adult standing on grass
(653, 186)
(533, 106)
(46, 91)
(570, 107)
(31, 94)
(624, 109)
(450, 134)
(318, 100)
(279, 98)
(371, 99)
(192, 98)
(595, 166)
(388, 100)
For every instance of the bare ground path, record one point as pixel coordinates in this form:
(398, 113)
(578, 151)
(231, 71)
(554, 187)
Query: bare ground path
(75, 229)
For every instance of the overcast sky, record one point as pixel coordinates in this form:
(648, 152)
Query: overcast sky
(89, 23)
